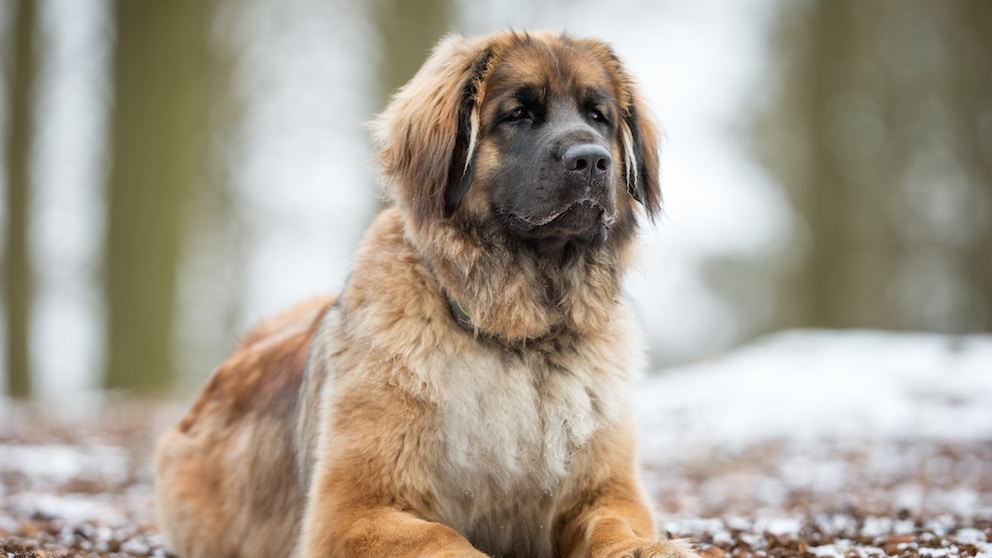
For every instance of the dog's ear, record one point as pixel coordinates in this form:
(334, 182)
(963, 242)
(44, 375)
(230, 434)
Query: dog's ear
(426, 135)
(639, 138)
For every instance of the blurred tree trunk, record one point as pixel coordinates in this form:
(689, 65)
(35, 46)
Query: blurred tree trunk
(407, 31)
(17, 264)
(847, 181)
(811, 41)
(973, 120)
(159, 131)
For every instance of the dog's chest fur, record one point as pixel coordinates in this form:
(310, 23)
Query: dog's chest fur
(506, 426)
(511, 428)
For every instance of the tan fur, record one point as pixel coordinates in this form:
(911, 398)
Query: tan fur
(377, 425)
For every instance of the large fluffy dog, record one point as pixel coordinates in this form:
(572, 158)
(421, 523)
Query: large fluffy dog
(466, 394)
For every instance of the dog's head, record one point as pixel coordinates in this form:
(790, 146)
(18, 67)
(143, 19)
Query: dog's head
(546, 135)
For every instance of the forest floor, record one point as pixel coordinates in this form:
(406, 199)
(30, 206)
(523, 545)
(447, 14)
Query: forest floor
(896, 461)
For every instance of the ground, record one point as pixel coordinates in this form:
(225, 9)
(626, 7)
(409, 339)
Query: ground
(805, 444)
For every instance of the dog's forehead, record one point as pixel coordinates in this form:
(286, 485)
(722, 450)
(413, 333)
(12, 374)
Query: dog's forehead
(555, 66)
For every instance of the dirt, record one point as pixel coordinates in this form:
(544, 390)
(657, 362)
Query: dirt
(831, 498)
(82, 487)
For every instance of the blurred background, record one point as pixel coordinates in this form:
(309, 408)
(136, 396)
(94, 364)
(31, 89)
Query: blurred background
(174, 170)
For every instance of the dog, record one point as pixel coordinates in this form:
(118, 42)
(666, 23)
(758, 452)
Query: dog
(466, 393)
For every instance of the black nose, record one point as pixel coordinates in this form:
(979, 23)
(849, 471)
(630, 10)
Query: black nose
(587, 158)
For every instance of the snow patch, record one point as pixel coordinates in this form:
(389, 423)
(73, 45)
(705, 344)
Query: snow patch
(55, 464)
(805, 385)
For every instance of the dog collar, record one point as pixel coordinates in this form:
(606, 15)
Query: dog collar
(458, 311)
(461, 315)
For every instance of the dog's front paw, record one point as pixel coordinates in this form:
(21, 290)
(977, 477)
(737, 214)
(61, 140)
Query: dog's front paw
(643, 548)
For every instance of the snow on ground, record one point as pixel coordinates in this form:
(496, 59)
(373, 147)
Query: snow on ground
(803, 385)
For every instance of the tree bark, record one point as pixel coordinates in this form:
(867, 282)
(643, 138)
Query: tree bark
(159, 131)
(17, 273)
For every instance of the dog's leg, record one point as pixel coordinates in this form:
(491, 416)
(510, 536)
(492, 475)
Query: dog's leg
(379, 532)
(616, 523)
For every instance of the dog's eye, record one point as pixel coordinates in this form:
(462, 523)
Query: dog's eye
(518, 114)
(596, 116)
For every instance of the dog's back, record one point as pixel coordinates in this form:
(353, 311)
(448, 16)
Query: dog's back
(241, 420)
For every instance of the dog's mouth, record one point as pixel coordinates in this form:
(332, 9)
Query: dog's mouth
(585, 218)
